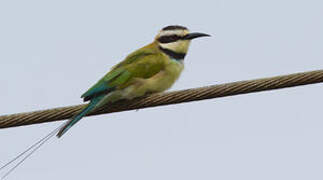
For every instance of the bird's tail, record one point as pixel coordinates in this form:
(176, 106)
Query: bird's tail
(20, 158)
(79, 116)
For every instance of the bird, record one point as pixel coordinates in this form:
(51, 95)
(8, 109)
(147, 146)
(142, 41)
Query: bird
(153, 68)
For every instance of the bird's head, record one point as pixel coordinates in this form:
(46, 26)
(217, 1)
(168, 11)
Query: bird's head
(176, 39)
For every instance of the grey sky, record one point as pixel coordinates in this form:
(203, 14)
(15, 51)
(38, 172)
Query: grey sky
(53, 51)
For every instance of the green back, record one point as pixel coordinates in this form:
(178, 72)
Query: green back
(143, 63)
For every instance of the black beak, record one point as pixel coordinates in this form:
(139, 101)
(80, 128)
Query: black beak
(191, 36)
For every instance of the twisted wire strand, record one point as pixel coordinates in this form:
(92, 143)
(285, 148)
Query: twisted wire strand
(196, 94)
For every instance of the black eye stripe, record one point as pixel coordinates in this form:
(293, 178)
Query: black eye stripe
(168, 39)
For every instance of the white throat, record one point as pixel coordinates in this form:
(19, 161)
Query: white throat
(180, 46)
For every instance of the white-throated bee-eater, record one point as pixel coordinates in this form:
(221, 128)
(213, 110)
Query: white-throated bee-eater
(150, 69)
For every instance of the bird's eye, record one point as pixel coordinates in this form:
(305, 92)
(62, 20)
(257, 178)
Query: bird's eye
(168, 39)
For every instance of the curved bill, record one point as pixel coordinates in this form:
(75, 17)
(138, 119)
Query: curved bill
(191, 36)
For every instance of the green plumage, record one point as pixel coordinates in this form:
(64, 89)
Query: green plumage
(143, 63)
(133, 77)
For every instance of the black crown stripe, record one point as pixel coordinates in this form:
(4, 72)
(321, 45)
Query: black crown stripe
(174, 27)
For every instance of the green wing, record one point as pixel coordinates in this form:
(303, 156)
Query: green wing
(140, 64)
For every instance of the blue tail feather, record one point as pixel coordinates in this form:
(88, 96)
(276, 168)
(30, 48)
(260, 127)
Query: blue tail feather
(79, 116)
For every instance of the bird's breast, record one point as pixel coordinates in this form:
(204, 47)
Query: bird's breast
(167, 77)
(161, 81)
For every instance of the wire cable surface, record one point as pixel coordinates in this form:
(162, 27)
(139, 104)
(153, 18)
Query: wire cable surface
(208, 92)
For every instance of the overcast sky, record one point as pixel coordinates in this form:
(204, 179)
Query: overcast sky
(53, 51)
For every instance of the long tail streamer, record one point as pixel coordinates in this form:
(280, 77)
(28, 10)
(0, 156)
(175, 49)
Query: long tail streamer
(20, 158)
